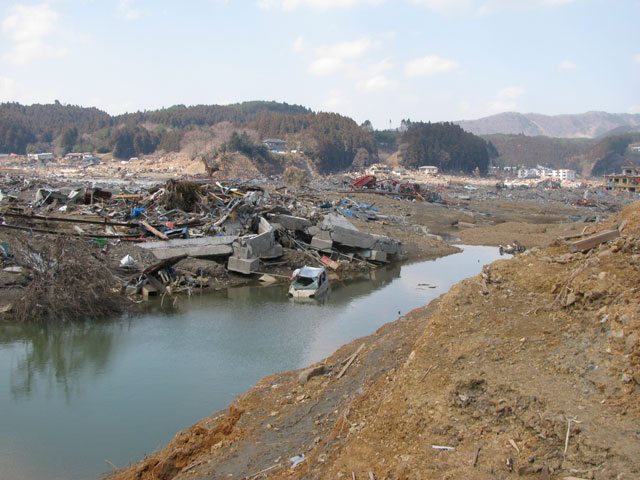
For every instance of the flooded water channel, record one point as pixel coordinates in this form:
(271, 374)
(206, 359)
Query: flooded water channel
(73, 397)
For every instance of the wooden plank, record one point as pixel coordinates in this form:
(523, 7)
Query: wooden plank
(69, 220)
(351, 360)
(593, 241)
(577, 235)
(332, 264)
(157, 233)
(128, 196)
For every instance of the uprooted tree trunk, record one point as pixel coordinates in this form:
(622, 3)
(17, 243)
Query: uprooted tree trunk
(67, 283)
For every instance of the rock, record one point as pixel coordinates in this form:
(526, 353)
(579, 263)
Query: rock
(617, 333)
(566, 258)
(308, 373)
(630, 342)
(571, 299)
(626, 378)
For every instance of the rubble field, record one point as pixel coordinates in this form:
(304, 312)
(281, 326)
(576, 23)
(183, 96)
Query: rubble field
(528, 370)
(130, 240)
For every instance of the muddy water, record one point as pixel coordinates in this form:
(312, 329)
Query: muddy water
(75, 397)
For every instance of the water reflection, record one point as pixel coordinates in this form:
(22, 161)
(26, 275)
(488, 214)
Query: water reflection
(56, 356)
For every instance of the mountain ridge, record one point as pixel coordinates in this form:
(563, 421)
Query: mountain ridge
(590, 124)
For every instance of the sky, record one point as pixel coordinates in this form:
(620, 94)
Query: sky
(377, 60)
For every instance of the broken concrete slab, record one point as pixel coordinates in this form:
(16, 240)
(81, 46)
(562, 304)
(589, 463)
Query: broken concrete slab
(352, 238)
(259, 243)
(193, 247)
(292, 223)
(264, 226)
(334, 220)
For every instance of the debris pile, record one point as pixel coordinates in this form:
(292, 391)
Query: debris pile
(61, 280)
(243, 227)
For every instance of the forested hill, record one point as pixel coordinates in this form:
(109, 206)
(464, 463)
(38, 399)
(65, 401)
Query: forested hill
(331, 142)
(180, 116)
(446, 146)
(21, 125)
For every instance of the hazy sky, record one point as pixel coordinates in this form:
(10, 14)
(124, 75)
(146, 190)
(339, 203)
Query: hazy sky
(382, 60)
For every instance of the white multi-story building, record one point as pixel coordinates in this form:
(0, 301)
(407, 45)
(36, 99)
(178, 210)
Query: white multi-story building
(564, 174)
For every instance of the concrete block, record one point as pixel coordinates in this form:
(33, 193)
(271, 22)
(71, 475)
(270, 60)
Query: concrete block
(241, 252)
(378, 256)
(386, 244)
(321, 243)
(243, 265)
(148, 290)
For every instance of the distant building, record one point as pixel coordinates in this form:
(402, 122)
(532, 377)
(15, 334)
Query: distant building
(627, 181)
(275, 145)
(564, 174)
(42, 157)
(526, 172)
(378, 169)
(79, 157)
(428, 170)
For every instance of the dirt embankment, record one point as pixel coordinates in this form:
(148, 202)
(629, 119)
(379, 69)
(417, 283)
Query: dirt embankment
(530, 370)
